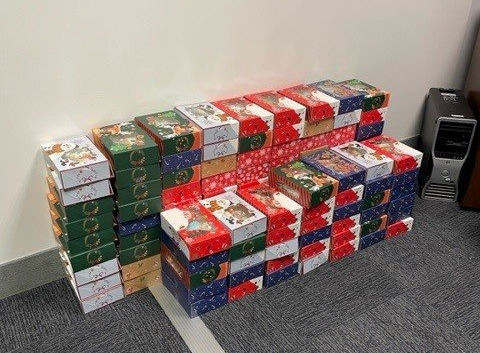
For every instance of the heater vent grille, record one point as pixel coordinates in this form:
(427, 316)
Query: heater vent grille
(440, 192)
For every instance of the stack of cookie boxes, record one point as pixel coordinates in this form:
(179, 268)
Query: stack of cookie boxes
(374, 108)
(180, 144)
(247, 227)
(283, 229)
(195, 257)
(135, 159)
(255, 138)
(81, 209)
(407, 162)
(315, 191)
(219, 133)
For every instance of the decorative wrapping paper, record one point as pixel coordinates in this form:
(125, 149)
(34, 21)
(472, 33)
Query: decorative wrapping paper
(380, 184)
(376, 164)
(142, 282)
(195, 230)
(198, 307)
(139, 252)
(241, 219)
(248, 247)
(181, 177)
(217, 183)
(283, 160)
(245, 288)
(303, 184)
(365, 132)
(350, 100)
(228, 188)
(400, 227)
(344, 250)
(349, 196)
(375, 98)
(373, 225)
(317, 141)
(77, 161)
(373, 116)
(280, 210)
(281, 249)
(372, 239)
(190, 191)
(137, 225)
(315, 236)
(180, 161)
(219, 166)
(331, 163)
(342, 135)
(86, 243)
(402, 190)
(283, 234)
(98, 287)
(318, 127)
(100, 300)
(255, 157)
(316, 223)
(216, 125)
(279, 276)
(398, 214)
(377, 199)
(282, 262)
(128, 177)
(247, 274)
(314, 249)
(141, 267)
(285, 111)
(287, 149)
(320, 106)
(255, 142)
(247, 261)
(172, 132)
(406, 178)
(349, 235)
(312, 263)
(373, 213)
(402, 203)
(139, 209)
(288, 133)
(220, 149)
(346, 223)
(252, 118)
(126, 145)
(347, 211)
(138, 192)
(324, 209)
(347, 119)
(405, 157)
(252, 174)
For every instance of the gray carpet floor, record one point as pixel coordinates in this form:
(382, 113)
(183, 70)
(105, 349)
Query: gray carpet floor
(416, 293)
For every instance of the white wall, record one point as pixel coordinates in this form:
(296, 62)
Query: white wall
(67, 66)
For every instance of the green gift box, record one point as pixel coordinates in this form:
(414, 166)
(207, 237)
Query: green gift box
(139, 252)
(138, 192)
(255, 142)
(82, 210)
(127, 145)
(129, 241)
(376, 199)
(181, 177)
(248, 247)
(140, 209)
(88, 242)
(83, 227)
(93, 257)
(128, 177)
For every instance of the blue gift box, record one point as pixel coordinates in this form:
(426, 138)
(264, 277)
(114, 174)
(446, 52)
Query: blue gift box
(199, 307)
(314, 236)
(276, 277)
(347, 210)
(333, 164)
(373, 213)
(197, 293)
(350, 100)
(372, 239)
(180, 160)
(366, 131)
(402, 190)
(199, 265)
(377, 185)
(406, 178)
(402, 203)
(398, 214)
(137, 225)
(247, 274)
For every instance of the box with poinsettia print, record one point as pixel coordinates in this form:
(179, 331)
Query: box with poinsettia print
(303, 184)
(288, 133)
(372, 239)
(350, 100)
(252, 118)
(283, 234)
(373, 225)
(245, 288)
(286, 112)
(218, 183)
(405, 158)
(343, 251)
(279, 209)
(253, 158)
(365, 132)
(218, 166)
(373, 116)
(399, 227)
(280, 263)
(349, 196)
(276, 277)
(196, 230)
(375, 98)
(251, 174)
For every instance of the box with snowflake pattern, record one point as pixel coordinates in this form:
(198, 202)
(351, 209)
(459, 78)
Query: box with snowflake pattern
(246, 176)
(253, 158)
(218, 183)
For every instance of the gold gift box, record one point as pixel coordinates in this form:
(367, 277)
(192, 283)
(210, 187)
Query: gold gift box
(140, 268)
(141, 282)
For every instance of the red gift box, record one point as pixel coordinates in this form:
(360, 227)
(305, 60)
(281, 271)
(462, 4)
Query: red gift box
(282, 160)
(218, 183)
(255, 157)
(373, 116)
(251, 174)
(344, 250)
(340, 239)
(342, 135)
(288, 149)
(282, 262)
(316, 223)
(317, 141)
(349, 196)
(344, 224)
(245, 288)
(314, 249)
(178, 194)
(283, 234)
(288, 133)
(401, 227)
(324, 208)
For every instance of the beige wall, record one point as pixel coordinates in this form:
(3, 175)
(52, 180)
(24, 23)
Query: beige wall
(66, 66)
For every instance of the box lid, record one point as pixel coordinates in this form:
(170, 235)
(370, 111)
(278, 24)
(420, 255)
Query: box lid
(375, 97)
(171, 131)
(336, 90)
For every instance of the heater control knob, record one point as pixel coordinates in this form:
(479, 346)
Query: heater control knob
(445, 173)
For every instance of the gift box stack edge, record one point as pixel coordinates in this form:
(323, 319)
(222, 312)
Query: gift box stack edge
(221, 199)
